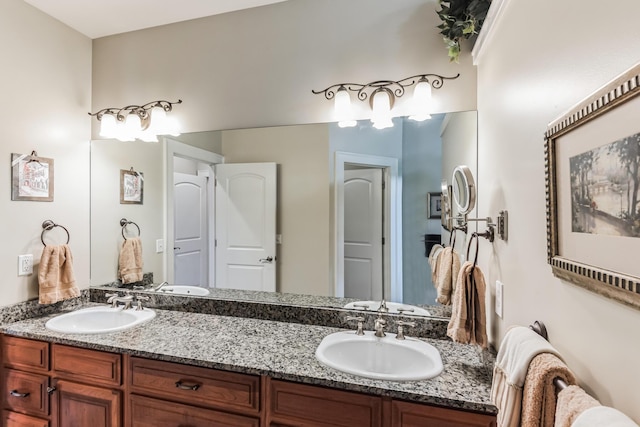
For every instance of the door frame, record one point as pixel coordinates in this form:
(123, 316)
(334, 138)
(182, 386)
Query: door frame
(392, 259)
(173, 148)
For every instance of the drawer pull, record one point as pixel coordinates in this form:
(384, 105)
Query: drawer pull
(15, 393)
(182, 386)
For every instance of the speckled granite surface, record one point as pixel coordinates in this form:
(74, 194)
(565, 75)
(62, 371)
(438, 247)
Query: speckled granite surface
(279, 307)
(31, 308)
(280, 350)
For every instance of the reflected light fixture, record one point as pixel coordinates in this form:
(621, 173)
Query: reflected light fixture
(382, 95)
(144, 122)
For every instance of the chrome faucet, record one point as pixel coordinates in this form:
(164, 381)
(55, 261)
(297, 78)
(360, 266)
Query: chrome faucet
(379, 326)
(383, 307)
(160, 286)
(114, 299)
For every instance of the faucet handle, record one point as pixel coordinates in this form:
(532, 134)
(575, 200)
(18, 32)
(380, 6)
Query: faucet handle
(360, 320)
(110, 297)
(402, 310)
(401, 324)
(364, 307)
(139, 299)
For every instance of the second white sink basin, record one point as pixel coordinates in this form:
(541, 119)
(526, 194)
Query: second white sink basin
(99, 320)
(384, 358)
(185, 290)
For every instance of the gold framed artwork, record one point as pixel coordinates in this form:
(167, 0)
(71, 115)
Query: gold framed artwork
(31, 177)
(592, 181)
(131, 187)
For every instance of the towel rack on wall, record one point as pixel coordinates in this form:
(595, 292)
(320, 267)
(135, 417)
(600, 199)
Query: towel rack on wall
(124, 222)
(539, 328)
(50, 225)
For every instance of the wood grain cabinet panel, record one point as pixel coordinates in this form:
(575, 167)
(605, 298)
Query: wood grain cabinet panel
(26, 393)
(81, 405)
(87, 366)
(148, 412)
(14, 419)
(195, 385)
(25, 354)
(405, 414)
(293, 404)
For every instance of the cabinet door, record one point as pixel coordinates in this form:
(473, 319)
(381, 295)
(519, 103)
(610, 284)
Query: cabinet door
(79, 405)
(405, 414)
(13, 419)
(147, 412)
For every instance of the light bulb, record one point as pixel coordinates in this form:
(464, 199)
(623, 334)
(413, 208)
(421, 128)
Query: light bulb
(108, 126)
(381, 115)
(133, 125)
(421, 101)
(342, 108)
(158, 124)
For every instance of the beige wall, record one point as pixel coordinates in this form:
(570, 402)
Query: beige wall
(45, 83)
(544, 57)
(257, 67)
(302, 155)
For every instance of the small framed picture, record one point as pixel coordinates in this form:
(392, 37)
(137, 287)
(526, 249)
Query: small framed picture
(434, 205)
(31, 178)
(131, 187)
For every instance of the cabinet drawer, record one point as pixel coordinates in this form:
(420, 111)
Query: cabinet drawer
(87, 366)
(318, 406)
(405, 414)
(22, 353)
(24, 392)
(147, 412)
(194, 385)
(14, 419)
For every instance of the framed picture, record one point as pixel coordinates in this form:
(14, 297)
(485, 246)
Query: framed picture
(434, 205)
(131, 187)
(31, 177)
(592, 181)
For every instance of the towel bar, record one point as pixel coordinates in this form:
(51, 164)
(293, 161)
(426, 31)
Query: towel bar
(540, 329)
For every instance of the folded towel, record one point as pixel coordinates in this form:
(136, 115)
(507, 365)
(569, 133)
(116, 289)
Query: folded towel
(572, 401)
(539, 393)
(603, 416)
(519, 346)
(448, 270)
(433, 262)
(55, 275)
(468, 318)
(130, 261)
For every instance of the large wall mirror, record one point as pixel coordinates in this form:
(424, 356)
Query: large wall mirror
(308, 209)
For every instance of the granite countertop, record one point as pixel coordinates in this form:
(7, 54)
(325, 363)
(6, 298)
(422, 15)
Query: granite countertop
(280, 350)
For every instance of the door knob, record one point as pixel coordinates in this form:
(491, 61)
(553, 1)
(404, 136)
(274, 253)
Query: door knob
(266, 260)
(176, 248)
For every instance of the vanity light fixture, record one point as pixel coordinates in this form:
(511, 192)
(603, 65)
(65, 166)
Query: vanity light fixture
(382, 95)
(144, 122)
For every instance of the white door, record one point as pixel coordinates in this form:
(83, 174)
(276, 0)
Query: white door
(363, 231)
(246, 226)
(190, 246)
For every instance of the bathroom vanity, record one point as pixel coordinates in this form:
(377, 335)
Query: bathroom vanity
(201, 370)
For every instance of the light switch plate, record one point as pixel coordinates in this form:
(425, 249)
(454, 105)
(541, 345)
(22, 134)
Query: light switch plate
(499, 298)
(159, 246)
(25, 265)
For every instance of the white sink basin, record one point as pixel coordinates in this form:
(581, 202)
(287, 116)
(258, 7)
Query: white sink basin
(384, 358)
(185, 290)
(392, 306)
(99, 320)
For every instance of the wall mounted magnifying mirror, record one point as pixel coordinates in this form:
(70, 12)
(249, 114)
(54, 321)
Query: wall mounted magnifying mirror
(464, 189)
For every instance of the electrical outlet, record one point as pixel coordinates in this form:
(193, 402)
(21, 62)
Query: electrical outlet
(25, 265)
(499, 298)
(159, 246)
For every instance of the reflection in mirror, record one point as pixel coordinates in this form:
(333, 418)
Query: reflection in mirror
(323, 174)
(464, 189)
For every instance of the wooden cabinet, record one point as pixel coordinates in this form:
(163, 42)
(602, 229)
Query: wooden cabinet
(81, 405)
(405, 414)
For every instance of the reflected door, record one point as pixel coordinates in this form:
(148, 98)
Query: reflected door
(363, 232)
(246, 226)
(190, 248)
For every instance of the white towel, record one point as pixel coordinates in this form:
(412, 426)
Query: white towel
(433, 262)
(519, 346)
(600, 416)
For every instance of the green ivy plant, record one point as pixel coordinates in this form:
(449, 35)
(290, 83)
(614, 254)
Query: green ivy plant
(461, 19)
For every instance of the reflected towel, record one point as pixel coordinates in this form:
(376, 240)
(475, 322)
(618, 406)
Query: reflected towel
(539, 393)
(468, 317)
(572, 401)
(436, 250)
(603, 416)
(55, 276)
(519, 346)
(130, 261)
(448, 270)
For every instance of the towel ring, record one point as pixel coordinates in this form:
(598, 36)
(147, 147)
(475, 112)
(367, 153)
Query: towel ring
(50, 225)
(124, 223)
(474, 236)
(452, 238)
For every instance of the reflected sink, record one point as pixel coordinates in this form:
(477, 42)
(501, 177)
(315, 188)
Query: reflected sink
(392, 306)
(185, 290)
(384, 358)
(99, 320)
